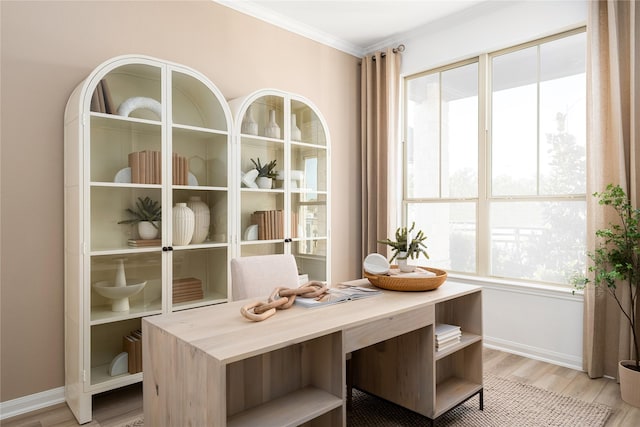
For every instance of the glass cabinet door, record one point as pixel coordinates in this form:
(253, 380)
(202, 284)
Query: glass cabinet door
(289, 212)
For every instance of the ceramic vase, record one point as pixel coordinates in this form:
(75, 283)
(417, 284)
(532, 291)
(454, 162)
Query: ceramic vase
(264, 182)
(272, 130)
(249, 125)
(402, 259)
(183, 224)
(202, 219)
(629, 383)
(296, 135)
(121, 278)
(147, 230)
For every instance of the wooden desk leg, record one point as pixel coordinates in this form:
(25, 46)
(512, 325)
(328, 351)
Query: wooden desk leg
(349, 375)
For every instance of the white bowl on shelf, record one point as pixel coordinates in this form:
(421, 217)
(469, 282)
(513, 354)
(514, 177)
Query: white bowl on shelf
(376, 264)
(119, 294)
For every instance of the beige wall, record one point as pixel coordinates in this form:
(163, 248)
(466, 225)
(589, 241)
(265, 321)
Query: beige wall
(47, 48)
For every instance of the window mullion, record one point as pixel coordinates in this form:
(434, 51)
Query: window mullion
(483, 243)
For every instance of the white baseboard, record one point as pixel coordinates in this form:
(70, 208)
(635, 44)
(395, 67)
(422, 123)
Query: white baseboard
(544, 355)
(32, 402)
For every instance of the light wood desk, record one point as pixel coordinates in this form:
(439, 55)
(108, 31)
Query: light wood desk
(213, 367)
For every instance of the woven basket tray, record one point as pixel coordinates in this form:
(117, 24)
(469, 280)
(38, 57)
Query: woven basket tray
(399, 283)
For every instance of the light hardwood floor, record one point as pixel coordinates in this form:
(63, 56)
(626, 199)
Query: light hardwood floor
(114, 408)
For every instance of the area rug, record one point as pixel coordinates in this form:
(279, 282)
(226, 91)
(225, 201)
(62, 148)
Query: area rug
(506, 403)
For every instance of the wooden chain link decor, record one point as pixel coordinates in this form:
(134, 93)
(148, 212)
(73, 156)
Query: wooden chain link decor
(280, 299)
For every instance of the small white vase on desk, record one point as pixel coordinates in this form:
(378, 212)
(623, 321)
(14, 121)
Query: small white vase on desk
(402, 263)
(272, 130)
(183, 224)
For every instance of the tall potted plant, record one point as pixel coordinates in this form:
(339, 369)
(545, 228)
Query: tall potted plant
(407, 246)
(616, 264)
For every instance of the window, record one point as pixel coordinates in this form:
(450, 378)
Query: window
(495, 161)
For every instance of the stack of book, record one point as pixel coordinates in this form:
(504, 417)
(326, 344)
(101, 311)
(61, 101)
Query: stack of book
(146, 168)
(132, 344)
(101, 101)
(447, 336)
(187, 289)
(143, 243)
(271, 224)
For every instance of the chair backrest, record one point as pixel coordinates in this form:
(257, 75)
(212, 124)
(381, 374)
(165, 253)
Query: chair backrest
(257, 276)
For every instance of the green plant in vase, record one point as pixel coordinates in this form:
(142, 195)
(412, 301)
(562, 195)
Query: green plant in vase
(147, 216)
(266, 173)
(406, 245)
(616, 263)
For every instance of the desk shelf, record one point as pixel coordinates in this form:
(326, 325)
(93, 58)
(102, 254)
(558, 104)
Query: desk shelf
(451, 392)
(306, 386)
(292, 409)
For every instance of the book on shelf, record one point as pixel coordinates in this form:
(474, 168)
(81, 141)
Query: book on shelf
(101, 101)
(340, 293)
(143, 243)
(187, 289)
(132, 344)
(447, 335)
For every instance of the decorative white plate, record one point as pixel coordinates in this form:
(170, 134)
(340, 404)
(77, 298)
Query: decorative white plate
(376, 264)
(192, 179)
(249, 178)
(251, 233)
(123, 176)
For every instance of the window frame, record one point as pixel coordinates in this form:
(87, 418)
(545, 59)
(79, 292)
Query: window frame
(484, 198)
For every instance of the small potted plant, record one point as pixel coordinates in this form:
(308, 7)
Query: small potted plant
(616, 263)
(266, 173)
(147, 215)
(407, 246)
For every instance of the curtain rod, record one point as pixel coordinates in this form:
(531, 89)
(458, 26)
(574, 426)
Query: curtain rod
(399, 48)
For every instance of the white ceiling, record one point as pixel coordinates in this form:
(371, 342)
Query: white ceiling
(354, 26)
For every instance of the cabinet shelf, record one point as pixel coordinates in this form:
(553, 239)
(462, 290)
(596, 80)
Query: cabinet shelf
(102, 381)
(466, 340)
(453, 391)
(124, 185)
(262, 190)
(290, 410)
(199, 129)
(103, 314)
(114, 121)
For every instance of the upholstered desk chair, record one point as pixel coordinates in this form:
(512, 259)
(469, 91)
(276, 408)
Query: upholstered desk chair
(257, 276)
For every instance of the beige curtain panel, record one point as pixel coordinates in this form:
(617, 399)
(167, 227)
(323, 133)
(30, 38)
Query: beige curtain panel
(613, 156)
(380, 82)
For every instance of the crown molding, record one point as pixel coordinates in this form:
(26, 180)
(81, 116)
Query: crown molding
(264, 14)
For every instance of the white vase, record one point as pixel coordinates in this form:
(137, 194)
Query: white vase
(264, 182)
(121, 278)
(402, 263)
(249, 125)
(296, 135)
(202, 219)
(183, 224)
(272, 130)
(147, 230)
